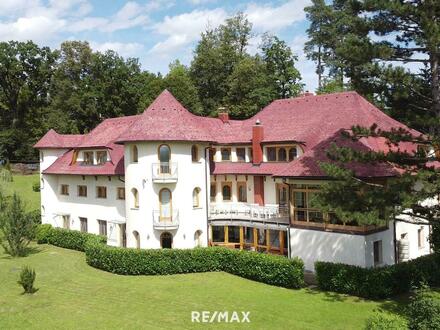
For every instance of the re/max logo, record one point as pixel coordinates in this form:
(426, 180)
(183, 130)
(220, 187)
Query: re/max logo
(220, 317)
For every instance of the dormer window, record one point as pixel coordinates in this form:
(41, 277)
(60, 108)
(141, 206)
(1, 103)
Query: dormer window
(282, 155)
(88, 157)
(293, 153)
(101, 157)
(241, 154)
(226, 154)
(271, 154)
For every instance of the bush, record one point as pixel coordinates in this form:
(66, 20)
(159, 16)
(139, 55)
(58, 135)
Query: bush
(27, 279)
(386, 321)
(380, 282)
(36, 186)
(424, 311)
(65, 238)
(269, 269)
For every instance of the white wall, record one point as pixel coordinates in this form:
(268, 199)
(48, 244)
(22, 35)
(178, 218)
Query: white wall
(190, 175)
(315, 245)
(109, 209)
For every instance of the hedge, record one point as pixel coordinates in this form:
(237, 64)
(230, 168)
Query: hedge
(266, 268)
(65, 238)
(380, 282)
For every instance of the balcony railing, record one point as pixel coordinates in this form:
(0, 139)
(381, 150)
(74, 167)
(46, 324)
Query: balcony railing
(164, 172)
(168, 222)
(248, 211)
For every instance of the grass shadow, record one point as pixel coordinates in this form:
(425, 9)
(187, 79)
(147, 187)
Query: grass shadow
(28, 251)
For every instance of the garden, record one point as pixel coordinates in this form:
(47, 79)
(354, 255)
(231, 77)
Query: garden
(77, 283)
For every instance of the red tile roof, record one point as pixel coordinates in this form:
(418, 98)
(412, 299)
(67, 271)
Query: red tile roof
(312, 121)
(53, 140)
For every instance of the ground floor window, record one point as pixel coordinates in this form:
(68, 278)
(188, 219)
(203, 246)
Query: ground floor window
(83, 224)
(137, 239)
(197, 238)
(102, 227)
(377, 252)
(250, 238)
(166, 241)
(66, 221)
(218, 233)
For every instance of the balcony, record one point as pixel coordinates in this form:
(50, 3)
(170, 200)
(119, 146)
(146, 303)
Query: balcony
(164, 172)
(166, 223)
(252, 212)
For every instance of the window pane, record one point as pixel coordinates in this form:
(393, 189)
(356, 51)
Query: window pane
(261, 236)
(226, 192)
(274, 236)
(213, 192)
(271, 154)
(249, 235)
(293, 153)
(164, 153)
(300, 199)
(218, 233)
(101, 157)
(282, 156)
(242, 194)
(241, 154)
(194, 154)
(226, 153)
(233, 234)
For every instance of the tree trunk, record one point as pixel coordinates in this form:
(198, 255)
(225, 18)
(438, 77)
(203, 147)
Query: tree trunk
(435, 88)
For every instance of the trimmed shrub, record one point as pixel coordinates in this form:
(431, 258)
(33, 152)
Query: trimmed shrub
(424, 311)
(65, 238)
(386, 321)
(380, 282)
(266, 268)
(269, 269)
(36, 186)
(27, 279)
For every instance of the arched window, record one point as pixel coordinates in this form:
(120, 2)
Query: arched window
(137, 239)
(194, 153)
(165, 200)
(134, 154)
(226, 191)
(42, 184)
(164, 154)
(197, 238)
(41, 156)
(293, 153)
(166, 240)
(282, 156)
(43, 210)
(135, 195)
(196, 197)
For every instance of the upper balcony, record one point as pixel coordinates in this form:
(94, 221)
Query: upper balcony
(163, 220)
(164, 172)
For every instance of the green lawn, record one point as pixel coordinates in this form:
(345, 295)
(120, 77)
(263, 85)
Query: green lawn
(73, 295)
(22, 185)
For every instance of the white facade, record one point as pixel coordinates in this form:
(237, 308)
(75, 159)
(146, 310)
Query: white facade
(134, 221)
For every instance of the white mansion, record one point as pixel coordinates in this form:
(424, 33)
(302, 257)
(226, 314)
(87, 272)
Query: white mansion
(167, 178)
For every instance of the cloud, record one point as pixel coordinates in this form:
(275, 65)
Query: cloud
(182, 30)
(130, 49)
(270, 18)
(38, 29)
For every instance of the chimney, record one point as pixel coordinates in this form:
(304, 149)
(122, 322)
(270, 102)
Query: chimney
(257, 138)
(306, 93)
(223, 115)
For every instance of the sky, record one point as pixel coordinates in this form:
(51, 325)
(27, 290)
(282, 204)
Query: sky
(155, 31)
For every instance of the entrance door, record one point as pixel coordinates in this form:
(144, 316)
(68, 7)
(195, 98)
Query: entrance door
(166, 241)
(165, 205)
(283, 198)
(123, 231)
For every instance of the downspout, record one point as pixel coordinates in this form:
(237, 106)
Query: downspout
(396, 255)
(206, 194)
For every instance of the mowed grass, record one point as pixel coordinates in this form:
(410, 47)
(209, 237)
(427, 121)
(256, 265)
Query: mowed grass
(22, 185)
(74, 295)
